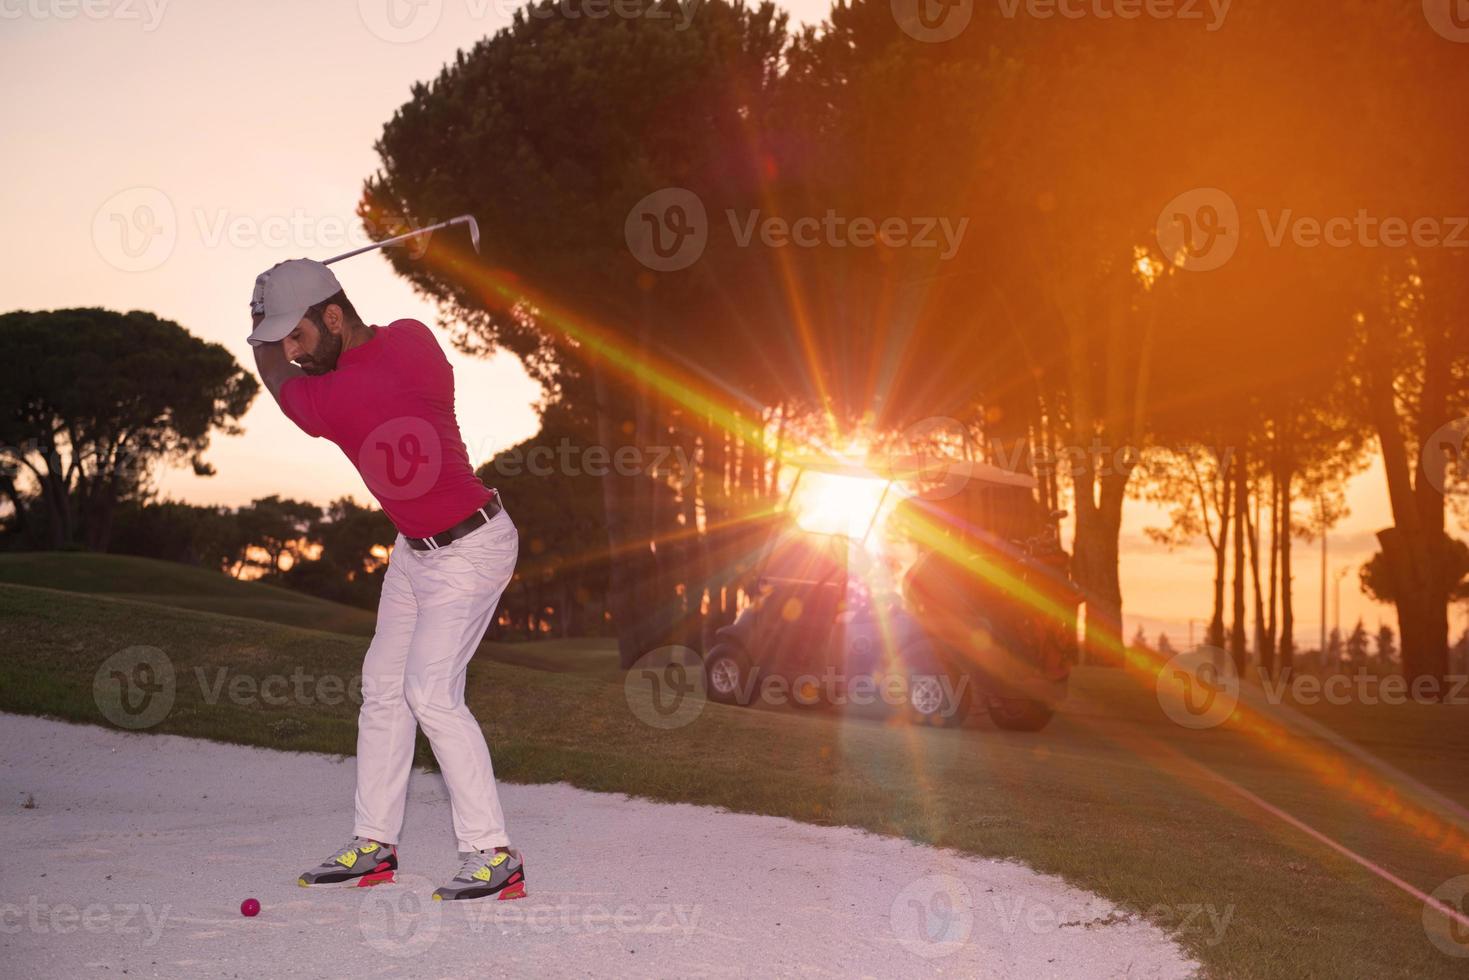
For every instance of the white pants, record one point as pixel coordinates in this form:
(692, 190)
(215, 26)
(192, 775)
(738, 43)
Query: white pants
(434, 609)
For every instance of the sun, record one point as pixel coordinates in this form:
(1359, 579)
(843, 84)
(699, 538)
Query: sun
(826, 503)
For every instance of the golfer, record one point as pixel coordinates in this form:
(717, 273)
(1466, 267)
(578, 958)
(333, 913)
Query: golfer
(385, 396)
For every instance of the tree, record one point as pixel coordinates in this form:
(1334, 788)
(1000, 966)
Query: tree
(551, 132)
(1379, 583)
(1387, 645)
(349, 565)
(209, 537)
(552, 485)
(92, 400)
(279, 527)
(1333, 658)
(1356, 649)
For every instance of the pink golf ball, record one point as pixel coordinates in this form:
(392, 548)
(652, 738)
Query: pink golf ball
(250, 907)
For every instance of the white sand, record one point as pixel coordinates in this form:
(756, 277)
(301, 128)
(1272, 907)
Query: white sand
(140, 848)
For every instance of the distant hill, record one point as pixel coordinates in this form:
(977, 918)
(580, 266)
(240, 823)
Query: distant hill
(181, 586)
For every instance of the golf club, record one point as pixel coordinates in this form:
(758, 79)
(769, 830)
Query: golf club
(463, 219)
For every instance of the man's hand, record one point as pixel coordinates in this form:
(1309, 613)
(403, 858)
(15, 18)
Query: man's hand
(270, 361)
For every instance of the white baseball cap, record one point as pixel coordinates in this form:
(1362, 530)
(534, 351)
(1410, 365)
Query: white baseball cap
(283, 294)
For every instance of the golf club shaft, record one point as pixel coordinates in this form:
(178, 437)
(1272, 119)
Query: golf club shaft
(462, 219)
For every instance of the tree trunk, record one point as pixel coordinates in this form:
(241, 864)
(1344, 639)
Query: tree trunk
(1221, 551)
(1412, 548)
(1264, 652)
(1098, 524)
(1241, 504)
(1287, 601)
(621, 597)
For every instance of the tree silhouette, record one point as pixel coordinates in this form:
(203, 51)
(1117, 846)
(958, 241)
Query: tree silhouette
(92, 400)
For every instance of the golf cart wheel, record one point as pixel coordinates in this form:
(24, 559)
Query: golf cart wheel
(936, 700)
(1019, 714)
(728, 675)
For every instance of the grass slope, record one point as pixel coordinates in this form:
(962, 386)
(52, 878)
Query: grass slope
(185, 586)
(1112, 796)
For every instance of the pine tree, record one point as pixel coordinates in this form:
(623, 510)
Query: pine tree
(1357, 645)
(1387, 645)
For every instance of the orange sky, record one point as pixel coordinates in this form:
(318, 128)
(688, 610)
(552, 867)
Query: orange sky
(247, 131)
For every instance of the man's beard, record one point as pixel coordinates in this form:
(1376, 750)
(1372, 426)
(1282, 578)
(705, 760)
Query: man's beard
(324, 358)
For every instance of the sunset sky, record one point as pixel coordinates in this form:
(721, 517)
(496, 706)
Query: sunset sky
(243, 170)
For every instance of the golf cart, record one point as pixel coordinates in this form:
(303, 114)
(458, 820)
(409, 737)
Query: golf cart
(983, 618)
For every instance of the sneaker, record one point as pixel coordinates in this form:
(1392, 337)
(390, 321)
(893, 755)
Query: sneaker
(486, 873)
(362, 863)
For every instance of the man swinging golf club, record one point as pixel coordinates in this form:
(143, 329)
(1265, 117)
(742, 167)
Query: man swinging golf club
(385, 396)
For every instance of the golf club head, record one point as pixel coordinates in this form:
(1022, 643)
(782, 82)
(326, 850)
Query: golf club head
(468, 219)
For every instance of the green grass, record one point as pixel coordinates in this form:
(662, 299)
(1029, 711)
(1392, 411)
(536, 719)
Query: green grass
(1113, 796)
(184, 586)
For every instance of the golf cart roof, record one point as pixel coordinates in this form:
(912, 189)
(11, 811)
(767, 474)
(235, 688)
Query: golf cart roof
(908, 468)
